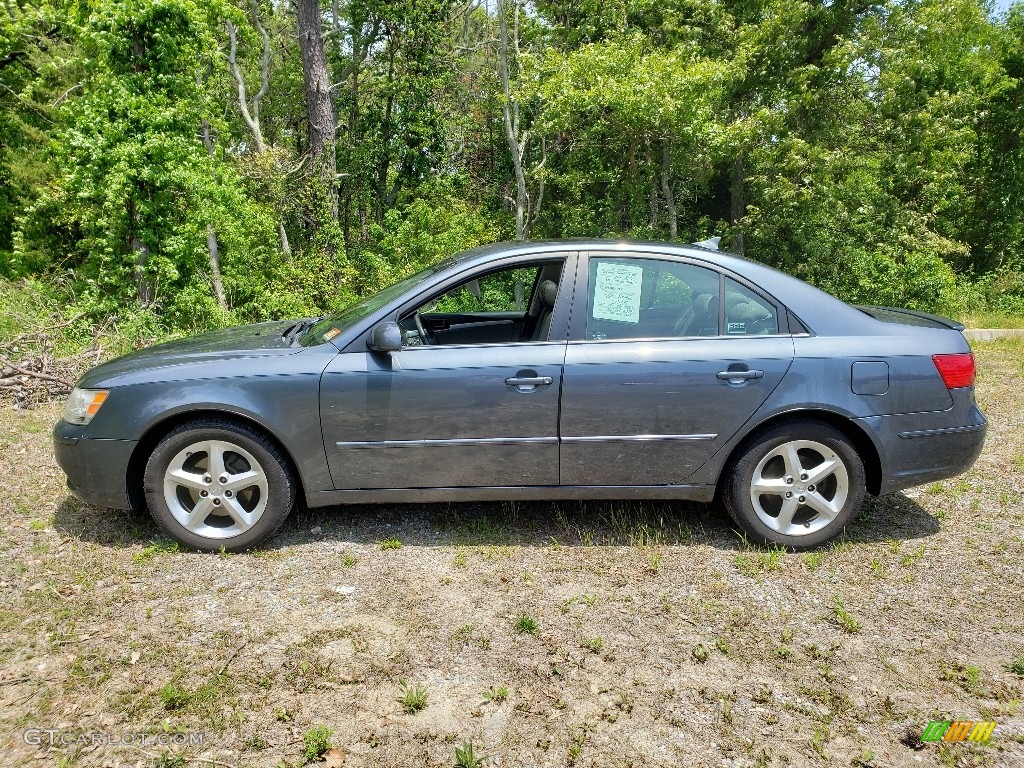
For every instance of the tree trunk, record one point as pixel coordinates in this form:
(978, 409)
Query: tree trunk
(653, 196)
(212, 248)
(140, 252)
(144, 290)
(510, 112)
(666, 190)
(251, 116)
(282, 236)
(738, 204)
(214, 251)
(319, 110)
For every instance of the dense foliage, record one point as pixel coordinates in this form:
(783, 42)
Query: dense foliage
(168, 159)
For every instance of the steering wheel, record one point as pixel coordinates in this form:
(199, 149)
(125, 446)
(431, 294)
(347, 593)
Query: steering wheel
(421, 329)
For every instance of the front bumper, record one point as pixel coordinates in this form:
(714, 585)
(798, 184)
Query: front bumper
(97, 469)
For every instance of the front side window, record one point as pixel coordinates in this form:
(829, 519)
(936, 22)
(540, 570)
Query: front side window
(512, 305)
(650, 298)
(505, 291)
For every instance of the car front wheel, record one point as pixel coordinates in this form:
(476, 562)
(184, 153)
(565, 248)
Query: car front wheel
(214, 485)
(797, 485)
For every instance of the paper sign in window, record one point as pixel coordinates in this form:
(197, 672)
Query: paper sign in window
(617, 292)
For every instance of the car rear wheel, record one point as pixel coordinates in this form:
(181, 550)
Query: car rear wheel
(797, 485)
(215, 485)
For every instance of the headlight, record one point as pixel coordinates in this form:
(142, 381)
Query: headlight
(83, 404)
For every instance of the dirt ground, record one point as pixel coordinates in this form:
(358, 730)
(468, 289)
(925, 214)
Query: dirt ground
(611, 634)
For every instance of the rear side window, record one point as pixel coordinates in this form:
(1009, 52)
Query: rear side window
(650, 298)
(746, 313)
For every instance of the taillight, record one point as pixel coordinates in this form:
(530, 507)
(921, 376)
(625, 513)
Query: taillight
(955, 370)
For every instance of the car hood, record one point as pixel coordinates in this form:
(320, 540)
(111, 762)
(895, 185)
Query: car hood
(215, 347)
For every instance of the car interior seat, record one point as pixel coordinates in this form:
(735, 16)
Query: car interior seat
(547, 291)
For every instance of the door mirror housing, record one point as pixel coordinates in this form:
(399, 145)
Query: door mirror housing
(385, 336)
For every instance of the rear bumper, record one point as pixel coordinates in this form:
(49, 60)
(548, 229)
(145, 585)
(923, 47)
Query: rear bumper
(924, 447)
(97, 470)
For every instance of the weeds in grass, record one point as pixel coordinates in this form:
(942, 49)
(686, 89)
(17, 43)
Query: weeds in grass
(166, 759)
(866, 759)
(843, 618)
(814, 560)
(413, 698)
(756, 563)
(496, 695)
(157, 547)
(173, 697)
(526, 625)
(1017, 666)
(818, 740)
(654, 561)
(577, 738)
(911, 558)
(316, 741)
(390, 543)
(967, 677)
(466, 757)
(256, 743)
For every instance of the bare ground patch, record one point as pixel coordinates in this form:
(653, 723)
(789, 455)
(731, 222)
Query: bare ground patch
(610, 634)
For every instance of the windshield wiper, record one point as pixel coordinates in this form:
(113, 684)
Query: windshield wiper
(292, 332)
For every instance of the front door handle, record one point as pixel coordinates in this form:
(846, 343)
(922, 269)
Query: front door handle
(738, 376)
(528, 383)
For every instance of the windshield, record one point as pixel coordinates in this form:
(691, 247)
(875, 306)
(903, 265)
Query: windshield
(329, 327)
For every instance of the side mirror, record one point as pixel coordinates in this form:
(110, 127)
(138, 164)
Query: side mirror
(385, 336)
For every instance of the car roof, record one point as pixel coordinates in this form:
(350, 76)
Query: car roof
(818, 310)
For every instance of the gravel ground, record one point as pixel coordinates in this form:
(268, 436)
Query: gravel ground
(609, 634)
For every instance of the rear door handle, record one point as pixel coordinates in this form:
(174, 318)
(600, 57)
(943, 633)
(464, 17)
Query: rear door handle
(528, 381)
(740, 375)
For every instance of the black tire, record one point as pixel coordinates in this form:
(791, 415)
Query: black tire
(254, 501)
(770, 454)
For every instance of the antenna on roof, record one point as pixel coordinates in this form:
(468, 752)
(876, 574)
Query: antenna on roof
(711, 243)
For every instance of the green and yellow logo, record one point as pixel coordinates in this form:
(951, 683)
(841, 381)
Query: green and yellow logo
(958, 730)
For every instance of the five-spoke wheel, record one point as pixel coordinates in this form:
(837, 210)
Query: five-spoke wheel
(214, 484)
(797, 484)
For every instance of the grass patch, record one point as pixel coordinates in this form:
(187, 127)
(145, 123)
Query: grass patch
(526, 625)
(757, 563)
(154, 548)
(316, 741)
(391, 543)
(173, 697)
(993, 320)
(413, 698)
(466, 757)
(843, 619)
(496, 695)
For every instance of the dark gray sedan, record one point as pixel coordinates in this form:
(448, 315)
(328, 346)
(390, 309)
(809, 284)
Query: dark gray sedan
(562, 370)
